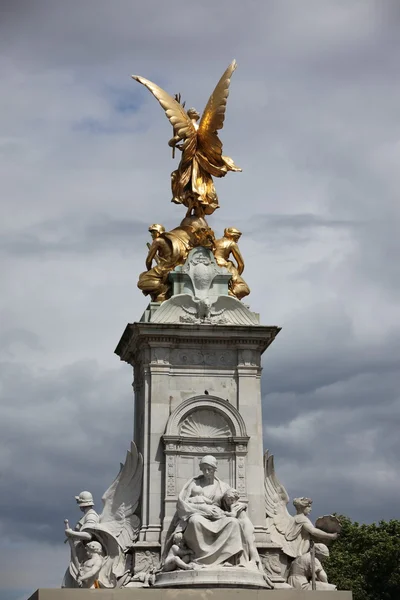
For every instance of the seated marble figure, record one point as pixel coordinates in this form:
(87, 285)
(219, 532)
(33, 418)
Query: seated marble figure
(214, 524)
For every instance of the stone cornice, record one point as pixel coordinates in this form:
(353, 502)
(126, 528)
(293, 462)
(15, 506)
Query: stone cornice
(136, 335)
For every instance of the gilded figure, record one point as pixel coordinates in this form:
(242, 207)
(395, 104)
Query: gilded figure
(197, 139)
(224, 248)
(170, 249)
(154, 280)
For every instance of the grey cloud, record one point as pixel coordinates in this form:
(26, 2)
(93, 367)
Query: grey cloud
(313, 121)
(68, 422)
(72, 235)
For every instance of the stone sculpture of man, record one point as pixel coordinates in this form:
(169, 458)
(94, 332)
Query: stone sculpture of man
(300, 574)
(90, 518)
(90, 569)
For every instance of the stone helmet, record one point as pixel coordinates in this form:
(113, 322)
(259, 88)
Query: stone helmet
(85, 499)
(157, 227)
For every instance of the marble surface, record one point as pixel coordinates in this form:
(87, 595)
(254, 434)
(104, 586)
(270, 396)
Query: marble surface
(223, 577)
(185, 594)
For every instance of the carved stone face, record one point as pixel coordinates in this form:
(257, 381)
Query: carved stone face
(208, 472)
(229, 500)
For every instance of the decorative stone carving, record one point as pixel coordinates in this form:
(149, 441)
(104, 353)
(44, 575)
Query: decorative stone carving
(208, 402)
(224, 310)
(200, 449)
(241, 475)
(200, 295)
(146, 561)
(109, 535)
(194, 357)
(271, 563)
(205, 423)
(248, 358)
(213, 530)
(200, 276)
(171, 475)
(146, 564)
(160, 355)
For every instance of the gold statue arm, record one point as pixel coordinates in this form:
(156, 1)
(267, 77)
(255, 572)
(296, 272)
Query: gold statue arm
(213, 117)
(238, 257)
(151, 255)
(183, 127)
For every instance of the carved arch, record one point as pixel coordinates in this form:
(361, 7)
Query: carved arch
(222, 407)
(203, 425)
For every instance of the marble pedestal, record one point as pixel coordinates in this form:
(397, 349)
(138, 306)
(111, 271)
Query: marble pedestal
(212, 578)
(186, 594)
(197, 391)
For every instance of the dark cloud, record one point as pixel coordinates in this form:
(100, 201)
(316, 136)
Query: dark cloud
(72, 235)
(68, 424)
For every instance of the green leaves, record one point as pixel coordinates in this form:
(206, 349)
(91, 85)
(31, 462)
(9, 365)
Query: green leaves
(366, 560)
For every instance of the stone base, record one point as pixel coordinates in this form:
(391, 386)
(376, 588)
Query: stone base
(186, 594)
(212, 578)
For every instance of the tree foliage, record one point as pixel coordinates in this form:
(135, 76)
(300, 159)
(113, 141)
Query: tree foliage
(366, 560)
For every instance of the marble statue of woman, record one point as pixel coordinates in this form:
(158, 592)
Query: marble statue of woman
(293, 534)
(214, 535)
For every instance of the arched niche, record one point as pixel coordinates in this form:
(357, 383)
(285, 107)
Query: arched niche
(204, 425)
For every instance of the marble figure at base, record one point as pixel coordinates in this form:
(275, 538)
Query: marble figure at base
(301, 571)
(100, 543)
(211, 528)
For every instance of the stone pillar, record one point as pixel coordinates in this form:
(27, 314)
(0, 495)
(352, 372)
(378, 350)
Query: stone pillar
(175, 362)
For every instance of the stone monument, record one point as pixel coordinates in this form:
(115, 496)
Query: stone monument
(196, 503)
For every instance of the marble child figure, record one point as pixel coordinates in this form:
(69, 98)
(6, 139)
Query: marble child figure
(90, 569)
(239, 511)
(179, 555)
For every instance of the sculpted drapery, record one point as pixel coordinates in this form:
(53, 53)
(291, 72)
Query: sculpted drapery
(217, 533)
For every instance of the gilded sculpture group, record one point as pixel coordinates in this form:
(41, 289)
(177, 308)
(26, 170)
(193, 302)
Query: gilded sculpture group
(192, 186)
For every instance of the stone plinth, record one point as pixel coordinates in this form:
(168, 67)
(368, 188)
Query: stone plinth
(212, 578)
(186, 594)
(197, 391)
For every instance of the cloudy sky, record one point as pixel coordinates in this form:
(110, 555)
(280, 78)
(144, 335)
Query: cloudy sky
(313, 120)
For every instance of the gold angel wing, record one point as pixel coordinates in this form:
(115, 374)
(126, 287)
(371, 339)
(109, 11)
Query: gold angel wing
(213, 117)
(183, 126)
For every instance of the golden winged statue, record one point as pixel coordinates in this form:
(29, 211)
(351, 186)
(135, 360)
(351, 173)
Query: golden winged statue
(202, 157)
